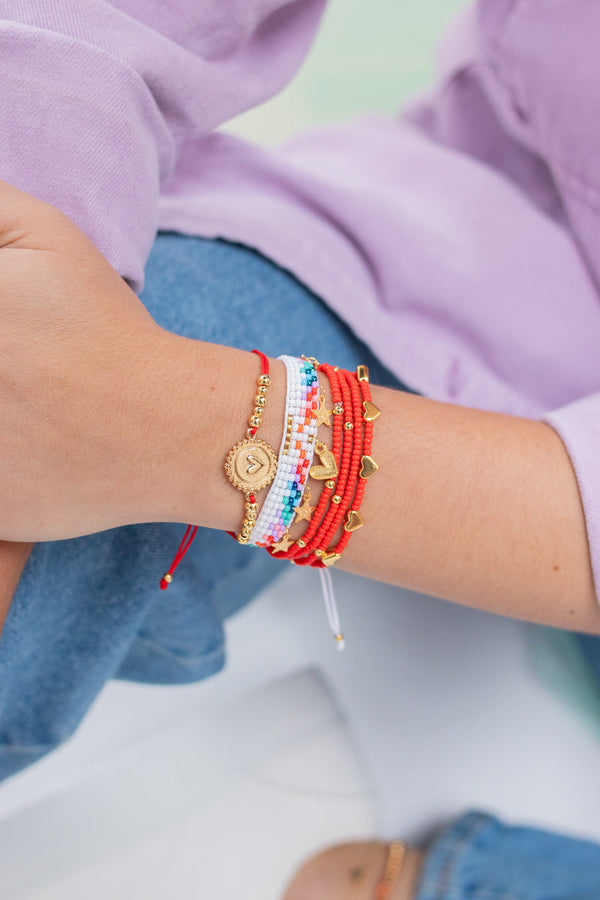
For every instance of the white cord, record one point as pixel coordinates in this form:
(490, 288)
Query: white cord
(331, 607)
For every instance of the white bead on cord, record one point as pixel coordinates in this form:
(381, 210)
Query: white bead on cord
(286, 490)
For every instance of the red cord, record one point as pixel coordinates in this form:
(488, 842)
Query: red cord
(190, 532)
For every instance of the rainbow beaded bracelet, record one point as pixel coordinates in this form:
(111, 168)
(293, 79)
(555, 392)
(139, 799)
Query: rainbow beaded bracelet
(302, 405)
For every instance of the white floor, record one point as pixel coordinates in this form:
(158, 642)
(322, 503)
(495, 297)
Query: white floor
(220, 789)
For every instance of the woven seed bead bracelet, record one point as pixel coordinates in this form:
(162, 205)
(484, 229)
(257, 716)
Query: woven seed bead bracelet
(328, 469)
(295, 455)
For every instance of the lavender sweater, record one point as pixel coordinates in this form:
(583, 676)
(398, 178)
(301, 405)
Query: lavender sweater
(461, 241)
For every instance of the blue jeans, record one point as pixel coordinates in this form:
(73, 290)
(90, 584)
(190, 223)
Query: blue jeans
(479, 858)
(90, 609)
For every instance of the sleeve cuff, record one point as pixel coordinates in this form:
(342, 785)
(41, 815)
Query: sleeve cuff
(578, 425)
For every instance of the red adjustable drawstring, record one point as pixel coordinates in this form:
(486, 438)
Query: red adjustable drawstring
(190, 532)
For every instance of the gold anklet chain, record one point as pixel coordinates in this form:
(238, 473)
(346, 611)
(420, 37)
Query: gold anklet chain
(395, 860)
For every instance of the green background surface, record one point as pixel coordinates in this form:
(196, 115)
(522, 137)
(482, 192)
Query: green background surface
(368, 57)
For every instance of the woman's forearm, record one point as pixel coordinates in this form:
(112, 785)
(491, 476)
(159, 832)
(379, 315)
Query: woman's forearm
(109, 420)
(479, 508)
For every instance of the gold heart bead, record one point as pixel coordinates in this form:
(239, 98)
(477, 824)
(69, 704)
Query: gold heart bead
(330, 559)
(328, 467)
(369, 467)
(353, 521)
(371, 412)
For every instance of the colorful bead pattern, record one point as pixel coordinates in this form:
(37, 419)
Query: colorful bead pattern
(309, 540)
(295, 455)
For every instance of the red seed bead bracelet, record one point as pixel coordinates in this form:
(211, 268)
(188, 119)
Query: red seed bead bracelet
(368, 467)
(318, 553)
(353, 437)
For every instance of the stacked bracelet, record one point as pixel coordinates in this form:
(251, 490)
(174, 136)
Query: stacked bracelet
(251, 465)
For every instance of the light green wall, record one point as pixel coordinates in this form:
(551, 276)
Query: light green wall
(370, 55)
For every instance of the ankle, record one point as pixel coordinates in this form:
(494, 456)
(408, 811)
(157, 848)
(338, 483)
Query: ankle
(352, 872)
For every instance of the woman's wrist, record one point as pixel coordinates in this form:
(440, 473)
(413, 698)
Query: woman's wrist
(193, 402)
(195, 407)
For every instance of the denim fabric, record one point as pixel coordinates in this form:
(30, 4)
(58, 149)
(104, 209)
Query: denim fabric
(478, 858)
(90, 609)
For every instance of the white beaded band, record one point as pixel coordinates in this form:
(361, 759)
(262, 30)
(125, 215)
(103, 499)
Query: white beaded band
(295, 455)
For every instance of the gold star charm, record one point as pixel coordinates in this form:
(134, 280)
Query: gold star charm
(305, 510)
(283, 545)
(323, 415)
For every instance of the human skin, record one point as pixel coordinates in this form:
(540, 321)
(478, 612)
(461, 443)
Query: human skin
(352, 872)
(110, 420)
(13, 557)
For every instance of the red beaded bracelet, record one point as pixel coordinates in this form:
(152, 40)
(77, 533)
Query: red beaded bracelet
(351, 450)
(353, 432)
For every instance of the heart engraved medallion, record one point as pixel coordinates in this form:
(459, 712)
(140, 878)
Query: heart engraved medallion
(254, 464)
(251, 465)
(328, 467)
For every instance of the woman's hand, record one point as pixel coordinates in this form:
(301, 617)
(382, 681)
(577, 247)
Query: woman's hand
(76, 351)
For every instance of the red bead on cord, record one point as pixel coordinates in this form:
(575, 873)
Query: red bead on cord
(336, 396)
(190, 532)
(344, 485)
(355, 436)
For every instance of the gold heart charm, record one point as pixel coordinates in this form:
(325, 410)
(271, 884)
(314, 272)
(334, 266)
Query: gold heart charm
(330, 559)
(328, 467)
(353, 521)
(371, 412)
(369, 467)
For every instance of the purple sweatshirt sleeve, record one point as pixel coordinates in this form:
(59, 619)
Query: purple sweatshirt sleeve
(97, 97)
(578, 425)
